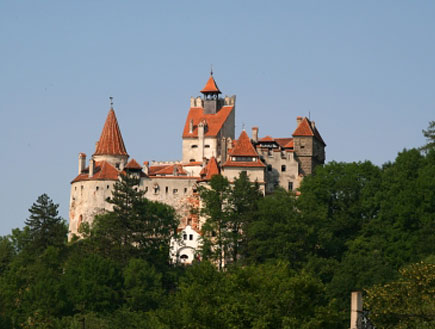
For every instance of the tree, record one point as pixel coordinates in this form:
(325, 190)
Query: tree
(430, 137)
(336, 202)
(406, 303)
(136, 227)
(242, 199)
(46, 227)
(277, 231)
(216, 210)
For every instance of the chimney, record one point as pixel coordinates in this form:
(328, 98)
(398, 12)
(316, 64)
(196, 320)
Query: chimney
(82, 162)
(255, 134)
(191, 126)
(174, 170)
(91, 167)
(298, 120)
(146, 167)
(356, 308)
(313, 125)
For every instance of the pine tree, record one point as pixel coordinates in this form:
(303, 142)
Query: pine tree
(136, 227)
(430, 137)
(46, 227)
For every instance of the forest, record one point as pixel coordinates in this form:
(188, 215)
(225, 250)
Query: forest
(274, 261)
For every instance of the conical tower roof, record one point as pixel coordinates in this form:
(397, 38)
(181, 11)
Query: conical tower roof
(244, 146)
(111, 142)
(211, 86)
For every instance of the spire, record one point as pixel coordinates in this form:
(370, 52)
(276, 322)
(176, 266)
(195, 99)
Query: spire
(210, 86)
(111, 142)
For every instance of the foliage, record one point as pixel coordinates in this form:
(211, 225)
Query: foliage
(429, 134)
(216, 207)
(136, 227)
(228, 208)
(45, 226)
(406, 303)
(277, 231)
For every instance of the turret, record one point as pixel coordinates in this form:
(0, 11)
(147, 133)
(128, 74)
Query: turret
(211, 96)
(110, 146)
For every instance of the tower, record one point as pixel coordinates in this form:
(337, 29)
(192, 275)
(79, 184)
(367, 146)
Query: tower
(211, 96)
(210, 120)
(94, 184)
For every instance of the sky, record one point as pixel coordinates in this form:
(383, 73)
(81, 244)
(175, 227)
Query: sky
(362, 70)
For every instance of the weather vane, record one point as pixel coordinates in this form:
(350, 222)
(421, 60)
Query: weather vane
(211, 69)
(111, 102)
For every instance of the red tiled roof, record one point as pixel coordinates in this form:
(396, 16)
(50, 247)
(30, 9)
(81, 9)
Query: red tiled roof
(243, 146)
(132, 164)
(214, 121)
(266, 139)
(193, 163)
(244, 164)
(111, 141)
(168, 170)
(290, 144)
(283, 141)
(210, 170)
(305, 129)
(103, 170)
(210, 86)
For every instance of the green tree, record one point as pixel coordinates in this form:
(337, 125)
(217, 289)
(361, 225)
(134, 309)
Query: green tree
(93, 283)
(142, 285)
(430, 137)
(243, 198)
(46, 227)
(216, 209)
(277, 231)
(406, 303)
(136, 227)
(336, 202)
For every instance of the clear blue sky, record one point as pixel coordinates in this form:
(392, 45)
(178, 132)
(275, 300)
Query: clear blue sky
(364, 70)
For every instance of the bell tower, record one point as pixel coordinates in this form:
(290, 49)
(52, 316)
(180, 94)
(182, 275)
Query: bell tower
(211, 96)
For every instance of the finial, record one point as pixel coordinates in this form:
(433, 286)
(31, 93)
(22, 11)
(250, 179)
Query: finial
(211, 69)
(111, 102)
(243, 126)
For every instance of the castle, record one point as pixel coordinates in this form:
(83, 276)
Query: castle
(209, 147)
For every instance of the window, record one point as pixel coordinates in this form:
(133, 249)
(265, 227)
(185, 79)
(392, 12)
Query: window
(190, 236)
(175, 191)
(184, 257)
(97, 188)
(194, 146)
(184, 236)
(185, 190)
(75, 188)
(146, 189)
(243, 159)
(166, 189)
(107, 186)
(156, 188)
(283, 168)
(192, 160)
(290, 186)
(302, 146)
(269, 167)
(207, 146)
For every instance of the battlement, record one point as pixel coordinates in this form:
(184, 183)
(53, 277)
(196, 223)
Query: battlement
(160, 163)
(226, 101)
